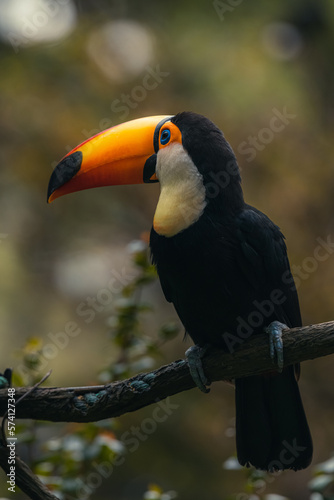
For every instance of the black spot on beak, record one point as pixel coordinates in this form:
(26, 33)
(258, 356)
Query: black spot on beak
(64, 171)
(149, 169)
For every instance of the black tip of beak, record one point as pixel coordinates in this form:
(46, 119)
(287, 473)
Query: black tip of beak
(64, 171)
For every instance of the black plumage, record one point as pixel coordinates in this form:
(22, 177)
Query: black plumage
(217, 272)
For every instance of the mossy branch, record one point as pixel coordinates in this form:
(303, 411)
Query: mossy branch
(88, 404)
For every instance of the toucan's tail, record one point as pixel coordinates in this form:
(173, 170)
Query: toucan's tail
(271, 428)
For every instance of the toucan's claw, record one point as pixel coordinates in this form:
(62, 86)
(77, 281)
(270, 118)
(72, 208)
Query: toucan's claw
(274, 331)
(194, 357)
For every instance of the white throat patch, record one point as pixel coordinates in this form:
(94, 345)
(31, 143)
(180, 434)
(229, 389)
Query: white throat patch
(182, 192)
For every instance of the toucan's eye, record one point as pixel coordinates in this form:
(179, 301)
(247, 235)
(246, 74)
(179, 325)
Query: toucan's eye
(165, 136)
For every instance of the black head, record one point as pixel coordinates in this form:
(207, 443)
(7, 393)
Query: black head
(213, 157)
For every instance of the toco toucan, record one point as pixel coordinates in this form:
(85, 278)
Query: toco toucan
(222, 263)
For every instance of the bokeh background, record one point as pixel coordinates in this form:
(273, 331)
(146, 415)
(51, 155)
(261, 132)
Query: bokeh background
(72, 68)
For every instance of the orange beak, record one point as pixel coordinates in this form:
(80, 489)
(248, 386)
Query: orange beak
(124, 154)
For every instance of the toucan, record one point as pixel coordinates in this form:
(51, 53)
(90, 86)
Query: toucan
(222, 263)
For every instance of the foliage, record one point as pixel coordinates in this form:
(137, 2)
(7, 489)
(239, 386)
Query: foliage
(74, 464)
(136, 349)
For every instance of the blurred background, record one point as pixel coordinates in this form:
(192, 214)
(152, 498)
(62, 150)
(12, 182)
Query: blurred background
(264, 73)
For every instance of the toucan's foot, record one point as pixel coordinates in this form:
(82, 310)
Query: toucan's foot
(276, 342)
(194, 357)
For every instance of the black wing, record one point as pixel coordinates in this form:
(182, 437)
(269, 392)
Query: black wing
(265, 263)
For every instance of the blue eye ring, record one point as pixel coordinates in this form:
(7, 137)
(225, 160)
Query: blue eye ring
(165, 136)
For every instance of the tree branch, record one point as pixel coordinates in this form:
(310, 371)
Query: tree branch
(25, 478)
(88, 404)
